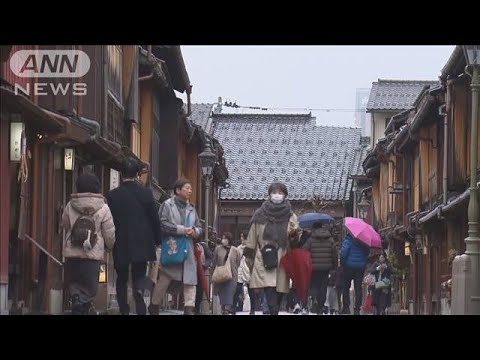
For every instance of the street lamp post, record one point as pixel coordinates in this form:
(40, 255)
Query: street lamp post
(472, 55)
(207, 161)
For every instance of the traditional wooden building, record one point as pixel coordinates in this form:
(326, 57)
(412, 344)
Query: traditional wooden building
(65, 134)
(422, 180)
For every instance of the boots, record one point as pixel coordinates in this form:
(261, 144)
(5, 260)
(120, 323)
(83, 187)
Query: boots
(153, 309)
(189, 310)
(79, 308)
(140, 306)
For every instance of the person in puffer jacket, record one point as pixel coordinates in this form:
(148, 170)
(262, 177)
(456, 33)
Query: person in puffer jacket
(82, 264)
(321, 246)
(353, 258)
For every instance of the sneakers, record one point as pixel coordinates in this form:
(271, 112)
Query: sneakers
(297, 309)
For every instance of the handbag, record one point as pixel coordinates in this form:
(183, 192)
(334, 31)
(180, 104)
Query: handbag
(174, 248)
(223, 273)
(367, 305)
(382, 284)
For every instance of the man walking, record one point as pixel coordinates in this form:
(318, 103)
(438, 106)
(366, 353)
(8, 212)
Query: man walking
(137, 233)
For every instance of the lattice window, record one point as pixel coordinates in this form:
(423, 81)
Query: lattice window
(135, 141)
(114, 71)
(116, 128)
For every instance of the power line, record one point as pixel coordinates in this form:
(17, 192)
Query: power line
(297, 108)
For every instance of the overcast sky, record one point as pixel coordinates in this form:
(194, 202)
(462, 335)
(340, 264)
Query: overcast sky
(306, 77)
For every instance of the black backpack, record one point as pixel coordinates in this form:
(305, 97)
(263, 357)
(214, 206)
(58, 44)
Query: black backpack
(269, 256)
(80, 230)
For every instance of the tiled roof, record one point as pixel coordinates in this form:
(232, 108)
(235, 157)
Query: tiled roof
(360, 154)
(200, 114)
(395, 94)
(310, 160)
(455, 64)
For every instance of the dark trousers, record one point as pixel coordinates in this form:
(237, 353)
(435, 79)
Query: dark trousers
(356, 275)
(138, 276)
(318, 286)
(380, 310)
(198, 298)
(293, 299)
(236, 297)
(251, 294)
(274, 300)
(81, 275)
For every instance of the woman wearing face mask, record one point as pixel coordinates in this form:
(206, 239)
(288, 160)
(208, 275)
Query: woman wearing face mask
(225, 291)
(272, 226)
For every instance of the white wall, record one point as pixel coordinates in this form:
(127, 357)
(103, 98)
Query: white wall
(378, 125)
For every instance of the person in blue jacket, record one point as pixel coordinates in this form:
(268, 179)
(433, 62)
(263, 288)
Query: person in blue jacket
(353, 258)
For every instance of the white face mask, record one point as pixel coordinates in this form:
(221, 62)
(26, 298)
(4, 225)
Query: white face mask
(277, 198)
(224, 242)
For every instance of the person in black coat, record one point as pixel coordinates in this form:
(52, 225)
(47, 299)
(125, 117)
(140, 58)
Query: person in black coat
(137, 233)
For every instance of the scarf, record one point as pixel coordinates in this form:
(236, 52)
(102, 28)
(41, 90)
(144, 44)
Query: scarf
(182, 207)
(276, 217)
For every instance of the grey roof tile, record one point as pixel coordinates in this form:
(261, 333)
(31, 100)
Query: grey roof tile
(310, 160)
(201, 114)
(359, 157)
(395, 94)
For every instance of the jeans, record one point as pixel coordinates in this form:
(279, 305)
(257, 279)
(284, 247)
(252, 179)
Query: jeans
(263, 301)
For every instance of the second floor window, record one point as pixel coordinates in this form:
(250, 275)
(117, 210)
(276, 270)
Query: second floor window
(114, 71)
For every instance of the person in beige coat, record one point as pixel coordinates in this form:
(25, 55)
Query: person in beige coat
(226, 290)
(82, 263)
(272, 225)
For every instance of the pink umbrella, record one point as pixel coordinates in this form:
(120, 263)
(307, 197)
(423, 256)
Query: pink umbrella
(363, 232)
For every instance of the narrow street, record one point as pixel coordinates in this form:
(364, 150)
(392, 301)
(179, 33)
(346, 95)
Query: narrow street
(192, 173)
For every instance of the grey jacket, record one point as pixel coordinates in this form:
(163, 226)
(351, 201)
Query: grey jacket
(173, 223)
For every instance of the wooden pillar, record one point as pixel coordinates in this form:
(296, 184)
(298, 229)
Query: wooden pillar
(4, 198)
(35, 213)
(49, 218)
